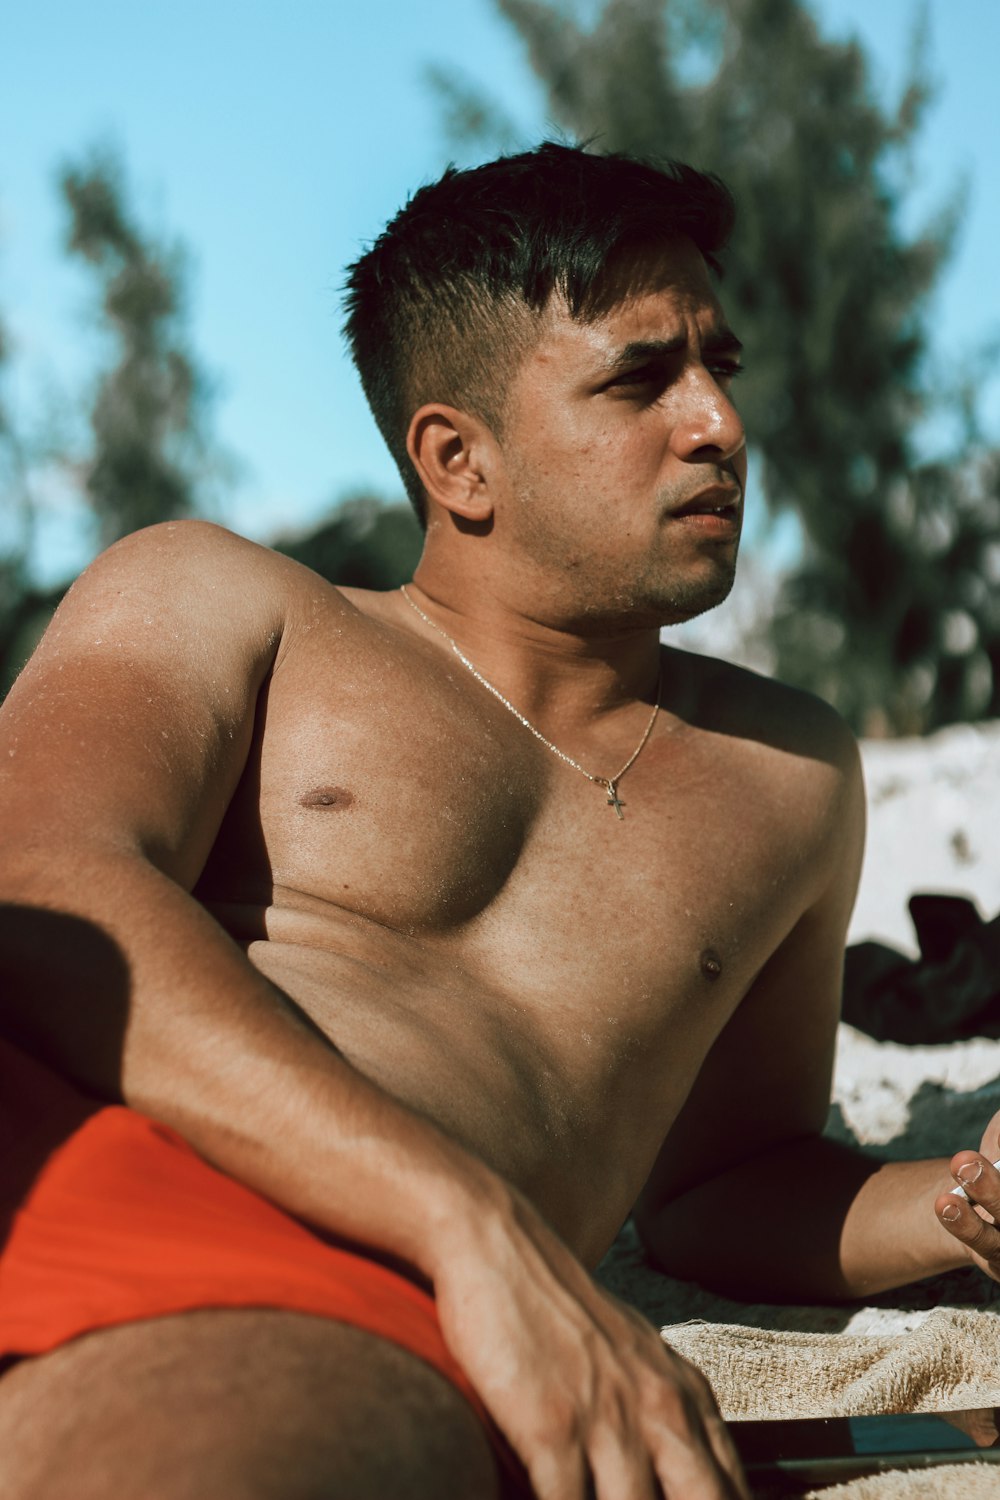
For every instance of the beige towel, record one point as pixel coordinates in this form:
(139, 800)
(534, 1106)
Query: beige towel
(930, 1347)
(950, 1482)
(951, 1361)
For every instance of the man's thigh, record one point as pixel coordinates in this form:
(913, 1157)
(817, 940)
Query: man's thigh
(250, 1404)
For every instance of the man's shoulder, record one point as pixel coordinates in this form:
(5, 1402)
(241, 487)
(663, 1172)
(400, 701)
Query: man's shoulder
(781, 722)
(789, 758)
(196, 565)
(187, 601)
(192, 546)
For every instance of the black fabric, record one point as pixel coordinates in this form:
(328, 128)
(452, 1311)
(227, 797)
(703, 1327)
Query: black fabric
(951, 991)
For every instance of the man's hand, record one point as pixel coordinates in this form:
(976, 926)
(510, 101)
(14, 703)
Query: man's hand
(582, 1387)
(972, 1219)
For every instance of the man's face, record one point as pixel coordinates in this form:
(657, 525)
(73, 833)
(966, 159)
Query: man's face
(624, 460)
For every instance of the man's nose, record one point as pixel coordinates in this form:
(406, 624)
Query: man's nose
(708, 427)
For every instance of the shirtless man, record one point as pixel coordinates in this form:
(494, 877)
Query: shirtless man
(413, 913)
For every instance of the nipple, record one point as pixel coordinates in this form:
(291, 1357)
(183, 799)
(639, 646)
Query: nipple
(710, 964)
(336, 797)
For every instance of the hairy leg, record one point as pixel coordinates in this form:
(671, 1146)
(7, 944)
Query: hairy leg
(250, 1404)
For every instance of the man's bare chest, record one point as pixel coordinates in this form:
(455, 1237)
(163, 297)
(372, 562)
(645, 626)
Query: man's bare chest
(387, 799)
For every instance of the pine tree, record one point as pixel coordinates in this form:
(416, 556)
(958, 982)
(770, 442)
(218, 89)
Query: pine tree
(20, 603)
(364, 543)
(151, 459)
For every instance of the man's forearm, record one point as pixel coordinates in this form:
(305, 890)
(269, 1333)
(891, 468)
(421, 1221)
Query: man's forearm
(125, 984)
(808, 1221)
(210, 1047)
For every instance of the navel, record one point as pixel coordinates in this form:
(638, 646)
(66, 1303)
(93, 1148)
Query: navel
(337, 798)
(710, 964)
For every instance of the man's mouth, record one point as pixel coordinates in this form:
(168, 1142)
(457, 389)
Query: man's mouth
(717, 500)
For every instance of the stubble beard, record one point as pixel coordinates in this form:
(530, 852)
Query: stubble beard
(597, 599)
(660, 592)
(688, 598)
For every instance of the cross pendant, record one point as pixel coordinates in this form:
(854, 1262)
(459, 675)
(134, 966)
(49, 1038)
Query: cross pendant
(613, 799)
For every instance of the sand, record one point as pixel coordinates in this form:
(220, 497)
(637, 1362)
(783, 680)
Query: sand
(933, 825)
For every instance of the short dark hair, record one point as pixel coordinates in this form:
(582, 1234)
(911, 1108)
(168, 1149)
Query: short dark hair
(443, 305)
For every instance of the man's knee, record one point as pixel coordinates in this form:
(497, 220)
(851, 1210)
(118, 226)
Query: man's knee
(255, 1405)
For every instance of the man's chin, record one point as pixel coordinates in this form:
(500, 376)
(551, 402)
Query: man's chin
(652, 603)
(683, 604)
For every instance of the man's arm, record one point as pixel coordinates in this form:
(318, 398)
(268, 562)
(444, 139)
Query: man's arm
(747, 1197)
(120, 748)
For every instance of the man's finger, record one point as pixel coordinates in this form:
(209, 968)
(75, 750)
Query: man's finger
(689, 1437)
(559, 1474)
(727, 1457)
(978, 1179)
(961, 1220)
(706, 1471)
(619, 1468)
(721, 1445)
(692, 1452)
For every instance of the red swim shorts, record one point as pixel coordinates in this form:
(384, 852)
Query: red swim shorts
(107, 1217)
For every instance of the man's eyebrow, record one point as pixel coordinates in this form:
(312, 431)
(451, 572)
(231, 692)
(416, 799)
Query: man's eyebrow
(722, 341)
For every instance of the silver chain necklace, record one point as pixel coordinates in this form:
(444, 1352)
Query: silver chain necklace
(610, 783)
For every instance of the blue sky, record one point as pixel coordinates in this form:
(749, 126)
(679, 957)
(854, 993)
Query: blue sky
(276, 140)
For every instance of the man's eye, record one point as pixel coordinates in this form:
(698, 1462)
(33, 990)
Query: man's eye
(726, 369)
(643, 375)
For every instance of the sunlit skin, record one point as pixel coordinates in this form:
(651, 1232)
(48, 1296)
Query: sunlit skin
(525, 1015)
(615, 428)
(612, 427)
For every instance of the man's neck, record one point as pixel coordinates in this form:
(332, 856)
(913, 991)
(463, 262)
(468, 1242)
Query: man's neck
(567, 670)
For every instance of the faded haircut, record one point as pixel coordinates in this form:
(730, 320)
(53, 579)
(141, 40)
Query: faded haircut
(447, 301)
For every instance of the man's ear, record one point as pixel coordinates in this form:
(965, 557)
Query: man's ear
(450, 450)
